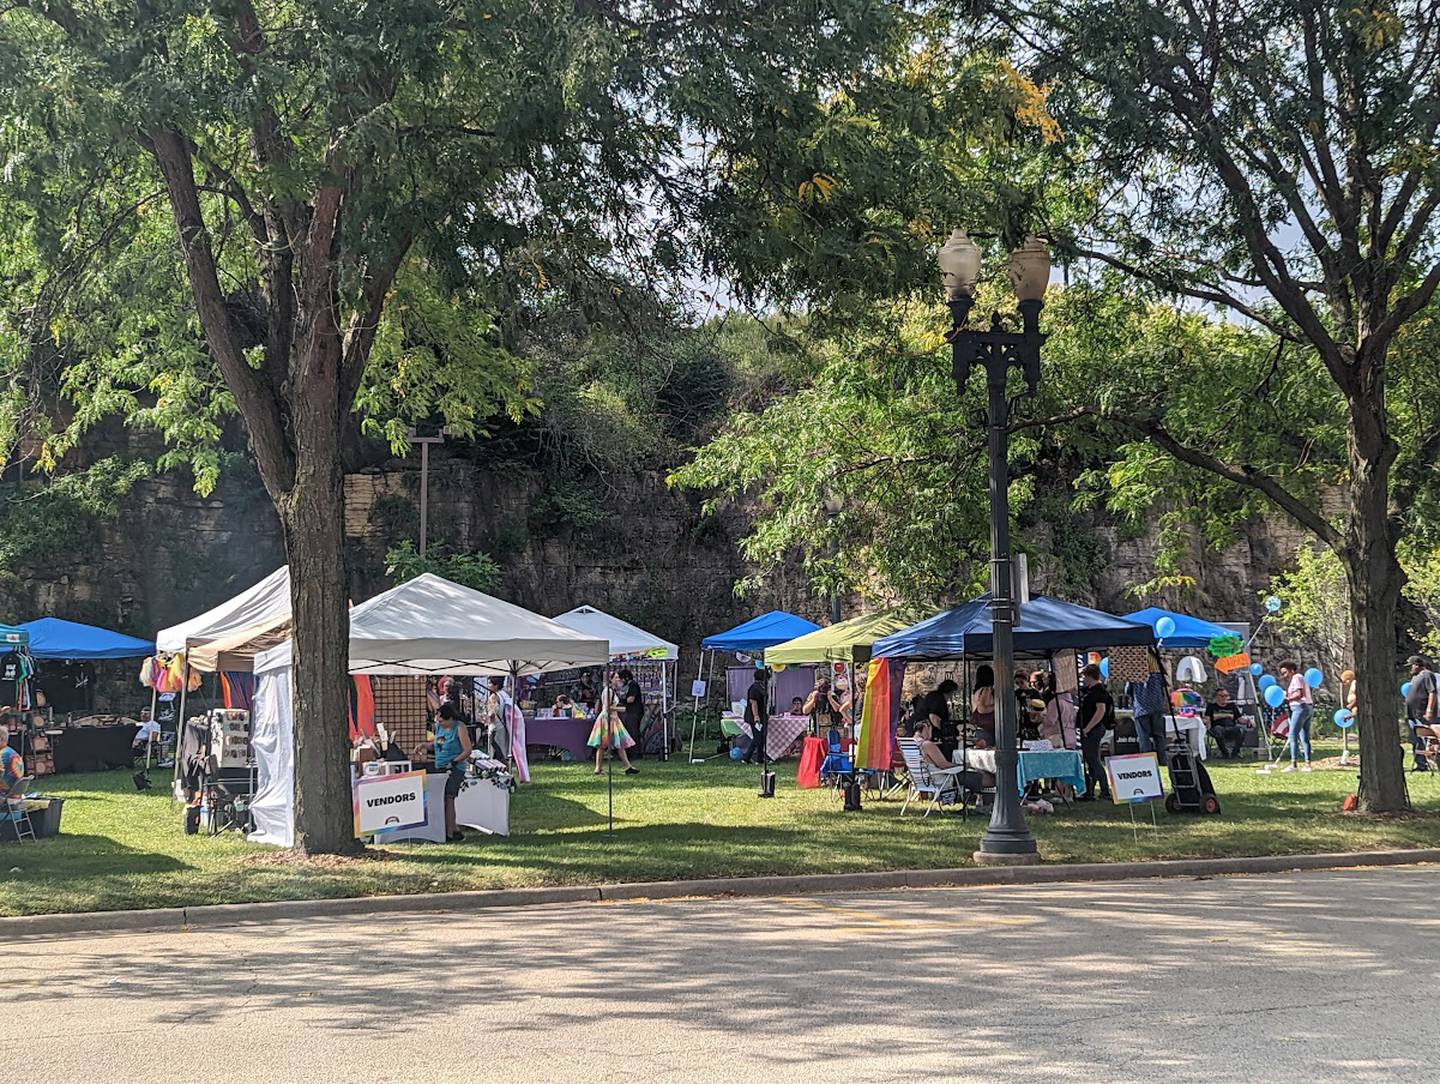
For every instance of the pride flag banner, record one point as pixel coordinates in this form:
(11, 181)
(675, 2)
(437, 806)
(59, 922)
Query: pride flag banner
(875, 747)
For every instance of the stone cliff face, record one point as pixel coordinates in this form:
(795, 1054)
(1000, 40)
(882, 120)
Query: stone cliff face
(650, 558)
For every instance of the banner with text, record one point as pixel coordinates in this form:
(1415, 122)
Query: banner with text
(387, 802)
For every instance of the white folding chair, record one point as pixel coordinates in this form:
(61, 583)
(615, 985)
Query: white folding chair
(926, 779)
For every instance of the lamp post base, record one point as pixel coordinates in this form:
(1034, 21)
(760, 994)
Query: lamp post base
(993, 858)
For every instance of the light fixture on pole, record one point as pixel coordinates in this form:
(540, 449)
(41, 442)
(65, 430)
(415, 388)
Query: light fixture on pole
(1007, 841)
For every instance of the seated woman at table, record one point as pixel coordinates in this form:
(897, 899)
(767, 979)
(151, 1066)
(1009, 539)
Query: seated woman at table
(12, 766)
(1223, 719)
(563, 703)
(933, 756)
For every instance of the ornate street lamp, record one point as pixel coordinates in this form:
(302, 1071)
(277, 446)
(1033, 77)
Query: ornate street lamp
(1007, 841)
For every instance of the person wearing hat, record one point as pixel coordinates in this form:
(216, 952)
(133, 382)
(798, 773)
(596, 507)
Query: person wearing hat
(1420, 705)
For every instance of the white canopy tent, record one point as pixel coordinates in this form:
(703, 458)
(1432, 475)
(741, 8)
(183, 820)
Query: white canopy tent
(263, 606)
(625, 639)
(427, 625)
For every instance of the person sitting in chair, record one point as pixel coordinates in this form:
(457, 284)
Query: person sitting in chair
(149, 732)
(931, 753)
(1223, 718)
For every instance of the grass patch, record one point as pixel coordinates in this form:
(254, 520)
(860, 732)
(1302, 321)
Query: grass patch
(123, 849)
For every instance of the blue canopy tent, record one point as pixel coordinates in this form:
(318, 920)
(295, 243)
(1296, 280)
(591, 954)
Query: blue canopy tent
(13, 636)
(755, 635)
(1047, 625)
(1190, 632)
(752, 638)
(53, 638)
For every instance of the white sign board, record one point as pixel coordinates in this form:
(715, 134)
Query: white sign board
(697, 688)
(388, 802)
(1135, 778)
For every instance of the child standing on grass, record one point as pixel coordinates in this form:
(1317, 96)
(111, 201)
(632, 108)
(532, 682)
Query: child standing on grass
(609, 732)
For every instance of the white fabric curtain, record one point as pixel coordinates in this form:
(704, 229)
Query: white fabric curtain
(272, 736)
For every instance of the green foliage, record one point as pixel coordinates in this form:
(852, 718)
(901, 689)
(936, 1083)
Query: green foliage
(477, 570)
(1315, 606)
(1422, 588)
(49, 526)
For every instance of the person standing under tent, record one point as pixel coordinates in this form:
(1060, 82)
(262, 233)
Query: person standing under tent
(587, 693)
(1422, 705)
(452, 752)
(1150, 705)
(1097, 714)
(1302, 707)
(497, 713)
(632, 708)
(982, 705)
(822, 707)
(609, 730)
(757, 715)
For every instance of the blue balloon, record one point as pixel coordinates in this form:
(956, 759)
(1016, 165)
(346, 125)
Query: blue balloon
(1165, 627)
(1274, 696)
(1313, 677)
(1272, 604)
(1267, 680)
(1405, 690)
(1105, 668)
(735, 754)
(1256, 669)
(1344, 718)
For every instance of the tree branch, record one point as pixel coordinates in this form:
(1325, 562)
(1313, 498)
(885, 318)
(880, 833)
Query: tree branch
(365, 323)
(255, 398)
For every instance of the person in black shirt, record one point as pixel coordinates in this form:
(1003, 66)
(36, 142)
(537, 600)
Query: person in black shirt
(588, 694)
(1223, 719)
(935, 706)
(632, 709)
(1097, 713)
(757, 714)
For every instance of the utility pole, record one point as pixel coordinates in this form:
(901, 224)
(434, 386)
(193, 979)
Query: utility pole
(425, 442)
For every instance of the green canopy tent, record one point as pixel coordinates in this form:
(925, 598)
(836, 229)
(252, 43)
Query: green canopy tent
(848, 642)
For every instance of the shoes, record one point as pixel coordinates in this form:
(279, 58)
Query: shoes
(456, 838)
(632, 770)
(1306, 768)
(1419, 768)
(1288, 768)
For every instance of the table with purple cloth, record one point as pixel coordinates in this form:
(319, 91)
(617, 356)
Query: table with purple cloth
(783, 734)
(560, 733)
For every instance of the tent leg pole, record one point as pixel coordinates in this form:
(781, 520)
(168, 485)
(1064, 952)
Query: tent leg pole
(695, 710)
(180, 715)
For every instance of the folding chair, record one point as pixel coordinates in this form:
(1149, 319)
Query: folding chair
(927, 780)
(1429, 738)
(15, 808)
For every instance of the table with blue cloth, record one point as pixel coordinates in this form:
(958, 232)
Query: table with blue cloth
(1035, 764)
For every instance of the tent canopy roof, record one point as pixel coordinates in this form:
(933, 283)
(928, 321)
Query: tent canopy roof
(430, 625)
(265, 605)
(625, 638)
(1046, 625)
(13, 636)
(760, 633)
(1189, 631)
(835, 643)
(55, 638)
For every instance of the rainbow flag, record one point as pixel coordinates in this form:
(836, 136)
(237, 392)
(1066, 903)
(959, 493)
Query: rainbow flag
(875, 746)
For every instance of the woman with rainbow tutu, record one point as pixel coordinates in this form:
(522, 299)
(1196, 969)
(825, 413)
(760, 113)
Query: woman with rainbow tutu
(609, 732)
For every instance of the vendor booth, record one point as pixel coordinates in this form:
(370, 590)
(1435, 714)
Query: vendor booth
(422, 627)
(1050, 630)
(652, 659)
(65, 654)
(749, 641)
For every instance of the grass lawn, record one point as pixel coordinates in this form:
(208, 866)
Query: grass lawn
(123, 849)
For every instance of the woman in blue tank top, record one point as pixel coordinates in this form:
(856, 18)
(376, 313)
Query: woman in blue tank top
(452, 751)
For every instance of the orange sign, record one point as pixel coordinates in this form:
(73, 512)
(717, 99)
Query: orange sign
(1230, 663)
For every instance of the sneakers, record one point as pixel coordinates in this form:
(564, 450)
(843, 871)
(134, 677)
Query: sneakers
(1306, 768)
(1288, 768)
(632, 770)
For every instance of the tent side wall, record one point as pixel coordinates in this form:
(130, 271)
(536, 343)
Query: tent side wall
(272, 736)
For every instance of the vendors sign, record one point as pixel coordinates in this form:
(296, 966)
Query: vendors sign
(1135, 778)
(387, 802)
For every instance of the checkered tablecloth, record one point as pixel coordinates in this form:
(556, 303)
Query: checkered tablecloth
(782, 735)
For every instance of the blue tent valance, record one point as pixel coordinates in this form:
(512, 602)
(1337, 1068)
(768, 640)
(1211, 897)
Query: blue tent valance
(761, 632)
(1046, 625)
(1190, 632)
(12, 636)
(53, 638)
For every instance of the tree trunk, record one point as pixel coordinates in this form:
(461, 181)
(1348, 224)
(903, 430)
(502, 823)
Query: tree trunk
(313, 516)
(1375, 579)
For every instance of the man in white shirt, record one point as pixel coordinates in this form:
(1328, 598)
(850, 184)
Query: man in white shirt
(149, 732)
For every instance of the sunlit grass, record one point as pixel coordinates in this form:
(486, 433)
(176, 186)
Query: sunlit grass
(124, 849)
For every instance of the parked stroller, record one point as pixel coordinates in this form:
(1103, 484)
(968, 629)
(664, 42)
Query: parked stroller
(1190, 788)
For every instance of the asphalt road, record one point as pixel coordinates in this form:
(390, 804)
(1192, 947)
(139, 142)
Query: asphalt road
(1308, 977)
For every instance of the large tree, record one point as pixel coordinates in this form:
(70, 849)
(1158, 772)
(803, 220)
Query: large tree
(312, 161)
(1277, 160)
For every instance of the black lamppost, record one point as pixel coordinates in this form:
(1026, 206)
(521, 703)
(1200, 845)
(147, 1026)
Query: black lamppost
(1007, 841)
